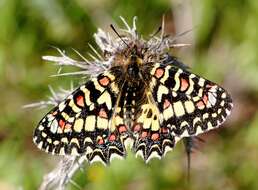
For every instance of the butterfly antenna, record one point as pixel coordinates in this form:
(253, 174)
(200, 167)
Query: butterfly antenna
(113, 28)
(155, 33)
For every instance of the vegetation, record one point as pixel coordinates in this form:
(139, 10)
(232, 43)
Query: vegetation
(224, 38)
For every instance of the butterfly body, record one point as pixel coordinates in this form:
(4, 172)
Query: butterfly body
(143, 97)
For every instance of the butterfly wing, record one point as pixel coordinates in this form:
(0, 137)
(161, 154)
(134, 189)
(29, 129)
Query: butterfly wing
(182, 105)
(85, 122)
(189, 104)
(152, 139)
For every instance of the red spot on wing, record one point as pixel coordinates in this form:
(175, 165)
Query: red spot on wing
(137, 128)
(184, 84)
(103, 113)
(100, 140)
(122, 129)
(166, 104)
(164, 130)
(104, 81)
(200, 104)
(155, 136)
(205, 99)
(112, 137)
(159, 72)
(80, 101)
(64, 125)
(144, 134)
(61, 123)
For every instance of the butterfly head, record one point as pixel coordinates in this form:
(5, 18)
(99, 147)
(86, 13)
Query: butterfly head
(135, 55)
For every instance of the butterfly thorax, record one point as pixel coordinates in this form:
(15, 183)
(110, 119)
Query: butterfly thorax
(133, 71)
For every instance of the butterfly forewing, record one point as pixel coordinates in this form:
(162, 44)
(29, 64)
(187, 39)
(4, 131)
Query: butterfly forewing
(188, 104)
(85, 122)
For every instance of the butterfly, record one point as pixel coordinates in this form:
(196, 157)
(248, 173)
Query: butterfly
(145, 100)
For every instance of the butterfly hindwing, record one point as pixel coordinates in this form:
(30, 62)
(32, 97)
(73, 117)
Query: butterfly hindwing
(152, 139)
(84, 122)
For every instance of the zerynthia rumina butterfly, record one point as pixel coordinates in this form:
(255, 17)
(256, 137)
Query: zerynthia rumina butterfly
(137, 93)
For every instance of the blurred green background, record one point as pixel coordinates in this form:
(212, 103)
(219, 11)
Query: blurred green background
(224, 49)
